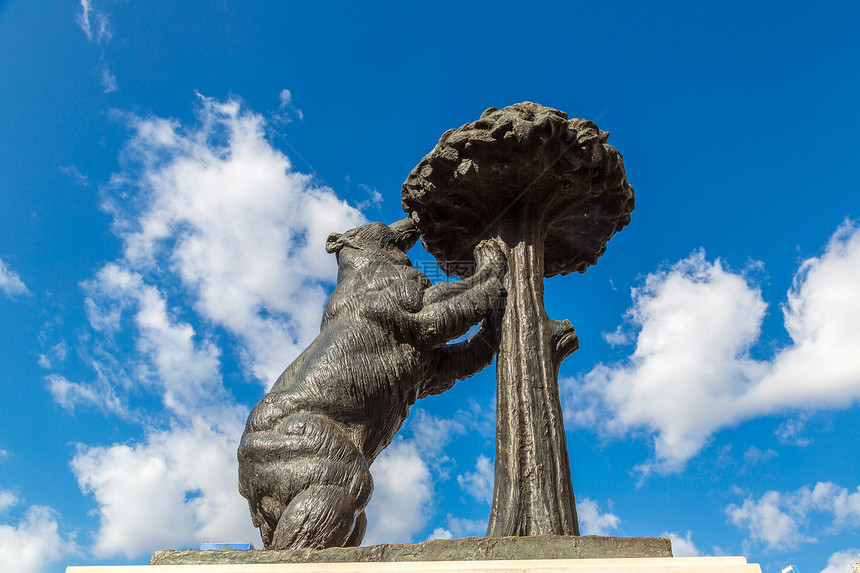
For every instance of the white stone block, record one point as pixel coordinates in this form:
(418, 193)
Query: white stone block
(643, 565)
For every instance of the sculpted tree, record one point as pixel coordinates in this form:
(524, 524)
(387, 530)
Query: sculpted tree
(552, 193)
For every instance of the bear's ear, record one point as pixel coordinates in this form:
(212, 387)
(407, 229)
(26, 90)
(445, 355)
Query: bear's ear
(334, 243)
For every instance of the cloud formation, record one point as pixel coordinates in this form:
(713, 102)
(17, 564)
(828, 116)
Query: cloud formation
(682, 544)
(780, 520)
(224, 211)
(842, 561)
(286, 109)
(34, 541)
(70, 394)
(768, 521)
(173, 360)
(109, 84)
(83, 18)
(222, 253)
(592, 521)
(96, 27)
(404, 477)
(173, 490)
(402, 490)
(479, 484)
(89, 18)
(406, 474)
(10, 283)
(456, 527)
(695, 324)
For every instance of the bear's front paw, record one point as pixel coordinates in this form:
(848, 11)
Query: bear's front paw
(489, 255)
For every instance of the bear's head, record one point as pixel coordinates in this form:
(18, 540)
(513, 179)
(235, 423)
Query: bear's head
(373, 242)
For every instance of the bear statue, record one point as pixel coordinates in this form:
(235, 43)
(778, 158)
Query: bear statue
(305, 454)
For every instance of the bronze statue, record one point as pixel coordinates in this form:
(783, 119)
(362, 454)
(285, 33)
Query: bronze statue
(305, 455)
(523, 185)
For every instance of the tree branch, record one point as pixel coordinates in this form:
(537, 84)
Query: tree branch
(564, 341)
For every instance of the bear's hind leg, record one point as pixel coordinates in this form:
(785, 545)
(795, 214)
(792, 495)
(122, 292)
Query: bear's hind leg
(318, 517)
(358, 530)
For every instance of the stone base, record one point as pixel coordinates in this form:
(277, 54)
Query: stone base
(465, 549)
(629, 565)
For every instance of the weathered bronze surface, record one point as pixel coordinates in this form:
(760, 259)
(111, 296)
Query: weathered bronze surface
(551, 192)
(466, 549)
(523, 187)
(305, 454)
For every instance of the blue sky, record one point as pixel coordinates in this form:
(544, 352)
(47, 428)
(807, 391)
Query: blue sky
(170, 172)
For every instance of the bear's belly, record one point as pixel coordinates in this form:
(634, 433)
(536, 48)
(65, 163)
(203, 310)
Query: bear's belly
(375, 385)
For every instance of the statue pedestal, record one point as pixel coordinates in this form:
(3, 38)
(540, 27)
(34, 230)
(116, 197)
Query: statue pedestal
(539, 547)
(622, 565)
(539, 554)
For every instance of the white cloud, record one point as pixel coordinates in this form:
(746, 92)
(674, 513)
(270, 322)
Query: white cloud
(179, 486)
(403, 488)
(460, 527)
(75, 175)
(457, 527)
(820, 368)
(842, 561)
(481, 419)
(779, 520)
(10, 282)
(183, 368)
(791, 432)
(768, 523)
(754, 456)
(83, 19)
(618, 337)
(479, 484)
(374, 198)
(71, 394)
(109, 84)
(405, 476)
(286, 108)
(431, 434)
(35, 541)
(172, 491)
(223, 210)
(96, 27)
(104, 32)
(592, 521)
(697, 322)
(56, 354)
(223, 247)
(286, 98)
(7, 500)
(682, 545)
(440, 533)
(828, 497)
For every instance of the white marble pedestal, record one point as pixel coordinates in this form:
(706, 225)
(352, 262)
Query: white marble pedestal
(624, 565)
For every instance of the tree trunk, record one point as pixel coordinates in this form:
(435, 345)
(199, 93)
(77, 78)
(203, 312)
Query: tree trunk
(533, 494)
